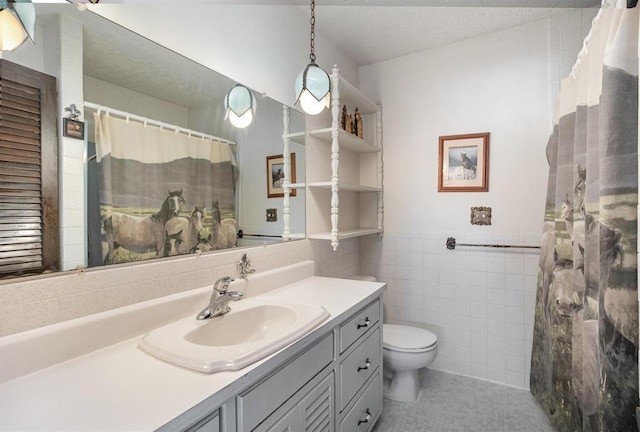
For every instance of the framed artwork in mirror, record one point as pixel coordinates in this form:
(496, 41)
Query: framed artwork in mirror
(275, 175)
(463, 163)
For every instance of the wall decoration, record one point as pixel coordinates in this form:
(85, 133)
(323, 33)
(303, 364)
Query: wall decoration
(275, 175)
(480, 215)
(463, 163)
(73, 128)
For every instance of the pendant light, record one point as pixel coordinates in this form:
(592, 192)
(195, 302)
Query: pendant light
(17, 23)
(313, 86)
(240, 106)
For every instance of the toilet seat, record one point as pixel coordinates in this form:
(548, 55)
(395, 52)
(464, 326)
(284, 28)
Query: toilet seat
(408, 338)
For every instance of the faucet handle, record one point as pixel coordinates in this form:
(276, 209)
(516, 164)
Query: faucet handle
(224, 281)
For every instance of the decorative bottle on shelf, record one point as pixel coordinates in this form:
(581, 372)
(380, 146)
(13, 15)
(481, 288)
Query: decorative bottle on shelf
(344, 118)
(358, 124)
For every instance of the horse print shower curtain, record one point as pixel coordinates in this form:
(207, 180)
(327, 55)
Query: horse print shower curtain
(584, 366)
(162, 193)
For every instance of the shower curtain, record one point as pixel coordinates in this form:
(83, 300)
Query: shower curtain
(161, 192)
(584, 366)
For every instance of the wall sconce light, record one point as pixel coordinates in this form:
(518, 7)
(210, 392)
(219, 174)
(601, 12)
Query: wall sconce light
(313, 86)
(240, 106)
(17, 23)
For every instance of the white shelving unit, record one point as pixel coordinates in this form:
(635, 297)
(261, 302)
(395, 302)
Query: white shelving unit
(344, 172)
(287, 186)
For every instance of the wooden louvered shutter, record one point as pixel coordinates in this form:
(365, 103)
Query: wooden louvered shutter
(29, 237)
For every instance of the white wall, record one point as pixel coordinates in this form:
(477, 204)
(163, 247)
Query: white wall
(479, 301)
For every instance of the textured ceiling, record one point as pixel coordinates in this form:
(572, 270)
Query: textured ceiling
(398, 31)
(371, 31)
(368, 31)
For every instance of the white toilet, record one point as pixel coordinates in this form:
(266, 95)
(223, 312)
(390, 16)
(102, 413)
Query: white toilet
(405, 350)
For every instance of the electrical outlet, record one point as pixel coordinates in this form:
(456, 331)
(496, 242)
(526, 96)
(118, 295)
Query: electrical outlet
(272, 215)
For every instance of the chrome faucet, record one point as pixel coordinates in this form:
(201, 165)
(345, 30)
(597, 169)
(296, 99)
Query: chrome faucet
(245, 266)
(220, 299)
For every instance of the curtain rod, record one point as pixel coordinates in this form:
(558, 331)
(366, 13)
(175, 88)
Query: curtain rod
(451, 245)
(161, 125)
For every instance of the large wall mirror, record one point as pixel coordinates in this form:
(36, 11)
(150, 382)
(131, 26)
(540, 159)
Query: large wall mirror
(129, 78)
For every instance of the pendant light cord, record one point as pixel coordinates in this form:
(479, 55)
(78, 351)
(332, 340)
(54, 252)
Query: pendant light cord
(312, 55)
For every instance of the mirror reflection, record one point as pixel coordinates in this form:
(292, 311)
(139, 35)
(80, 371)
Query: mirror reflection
(164, 173)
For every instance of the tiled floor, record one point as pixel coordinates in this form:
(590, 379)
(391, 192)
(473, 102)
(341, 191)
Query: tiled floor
(453, 403)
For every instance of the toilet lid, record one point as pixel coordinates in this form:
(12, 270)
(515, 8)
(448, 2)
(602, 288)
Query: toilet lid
(403, 337)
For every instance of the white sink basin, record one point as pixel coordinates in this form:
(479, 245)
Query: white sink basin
(255, 328)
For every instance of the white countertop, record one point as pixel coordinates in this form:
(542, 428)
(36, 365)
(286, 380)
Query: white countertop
(119, 387)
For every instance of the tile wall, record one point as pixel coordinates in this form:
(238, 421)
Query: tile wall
(479, 301)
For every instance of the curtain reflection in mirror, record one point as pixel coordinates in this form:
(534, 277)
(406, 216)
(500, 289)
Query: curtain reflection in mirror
(161, 193)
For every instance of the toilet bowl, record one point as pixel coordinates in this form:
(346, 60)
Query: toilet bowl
(406, 349)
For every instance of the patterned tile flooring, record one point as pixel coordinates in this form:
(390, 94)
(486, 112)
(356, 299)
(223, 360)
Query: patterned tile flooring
(454, 403)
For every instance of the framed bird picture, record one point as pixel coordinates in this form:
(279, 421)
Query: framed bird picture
(463, 163)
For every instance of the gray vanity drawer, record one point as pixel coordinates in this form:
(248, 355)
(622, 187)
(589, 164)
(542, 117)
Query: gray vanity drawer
(356, 369)
(351, 330)
(210, 424)
(366, 409)
(259, 402)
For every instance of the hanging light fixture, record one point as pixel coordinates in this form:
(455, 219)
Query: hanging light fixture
(17, 23)
(240, 106)
(313, 86)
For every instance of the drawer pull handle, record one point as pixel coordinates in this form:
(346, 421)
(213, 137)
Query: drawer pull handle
(366, 324)
(366, 419)
(367, 365)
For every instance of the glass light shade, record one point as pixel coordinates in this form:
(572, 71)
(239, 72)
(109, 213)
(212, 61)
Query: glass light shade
(240, 106)
(313, 89)
(17, 23)
(242, 121)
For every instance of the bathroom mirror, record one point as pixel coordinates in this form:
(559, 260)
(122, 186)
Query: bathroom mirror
(128, 73)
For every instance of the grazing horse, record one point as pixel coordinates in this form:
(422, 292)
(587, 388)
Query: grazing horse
(567, 295)
(143, 234)
(224, 230)
(172, 243)
(547, 262)
(203, 245)
(189, 230)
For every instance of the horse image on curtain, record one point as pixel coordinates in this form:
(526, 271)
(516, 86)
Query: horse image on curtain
(584, 366)
(154, 185)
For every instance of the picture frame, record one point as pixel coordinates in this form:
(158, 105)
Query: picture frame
(463, 163)
(73, 128)
(275, 176)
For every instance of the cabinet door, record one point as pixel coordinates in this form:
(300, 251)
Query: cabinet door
(316, 410)
(288, 423)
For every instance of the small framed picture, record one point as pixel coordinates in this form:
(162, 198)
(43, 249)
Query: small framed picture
(275, 175)
(463, 163)
(73, 129)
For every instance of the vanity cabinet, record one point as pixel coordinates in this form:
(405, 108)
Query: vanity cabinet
(344, 171)
(360, 369)
(334, 384)
(288, 387)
